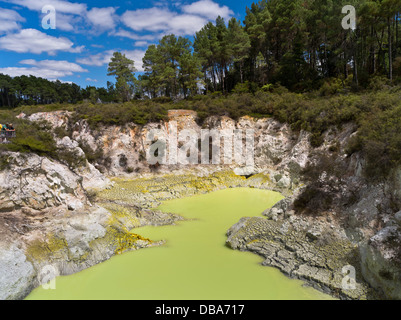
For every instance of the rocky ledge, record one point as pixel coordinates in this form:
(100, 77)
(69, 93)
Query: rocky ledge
(50, 216)
(315, 257)
(61, 226)
(49, 220)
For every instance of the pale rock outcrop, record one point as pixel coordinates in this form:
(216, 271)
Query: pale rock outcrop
(359, 210)
(17, 274)
(381, 261)
(91, 177)
(39, 183)
(397, 218)
(71, 145)
(290, 248)
(55, 118)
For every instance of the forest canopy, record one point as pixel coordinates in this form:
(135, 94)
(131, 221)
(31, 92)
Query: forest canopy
(299, 44)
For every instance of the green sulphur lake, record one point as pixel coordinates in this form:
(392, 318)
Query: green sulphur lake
(194, 264)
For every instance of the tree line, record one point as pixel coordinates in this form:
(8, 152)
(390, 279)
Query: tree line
(299, 44)
(31, 90)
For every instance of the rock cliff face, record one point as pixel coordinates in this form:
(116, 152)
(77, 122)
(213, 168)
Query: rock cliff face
(37, 183)
(317, 256)
(48, 221)
(123, 148)
(51, 218)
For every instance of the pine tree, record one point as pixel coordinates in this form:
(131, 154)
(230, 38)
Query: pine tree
(123, 69)
(240, 44)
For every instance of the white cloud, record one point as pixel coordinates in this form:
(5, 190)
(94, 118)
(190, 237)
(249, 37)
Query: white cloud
(137, 56)
(61, 6)
(97, 60)
(71, 16)
(48, 69)
(7, 14)
(102, 18)
(134, 36)
(186, 24)
(34, 41)
(9, 20)
(41, 73)
(55, 65)
(161, 19)
(91, 80)
(153, 19)
(68, 22)
(69, 82)
(141, 44)
(208, 9)
(65, 22)
(104, 58)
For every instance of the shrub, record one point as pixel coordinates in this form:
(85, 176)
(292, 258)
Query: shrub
(379, 138)
(376, 115)
(36, 137)
(241, 88)
(313, 199)
(92, 156)
(379, 83)
(267, 88)
(32, 137)
(331, 87)
(61, 132)
(72, 159)
(318, 195)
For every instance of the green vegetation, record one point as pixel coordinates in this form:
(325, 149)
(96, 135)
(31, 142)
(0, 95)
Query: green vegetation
(31, 137)
(299, 44)
(377, 115)
(296, 43)
(123, 68)
(138, 112)
(379, 136)
(170, 69)
(290, 60)
(35, 137)
(32, 90)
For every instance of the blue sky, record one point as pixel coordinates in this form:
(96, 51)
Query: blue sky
(87, 33)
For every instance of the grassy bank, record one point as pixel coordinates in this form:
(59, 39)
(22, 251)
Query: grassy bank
(377, 114)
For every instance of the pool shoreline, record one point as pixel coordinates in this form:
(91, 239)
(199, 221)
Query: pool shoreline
(234, 257)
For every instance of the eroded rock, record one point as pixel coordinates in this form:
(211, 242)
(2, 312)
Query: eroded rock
(290, 250)
(381, 261)
(17, 274)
